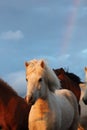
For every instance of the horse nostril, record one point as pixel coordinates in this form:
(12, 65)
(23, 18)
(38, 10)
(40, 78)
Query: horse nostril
(31, 99)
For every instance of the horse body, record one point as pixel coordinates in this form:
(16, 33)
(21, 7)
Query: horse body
(55, 113)
(13, 109)
(52, 109)
(69, 81)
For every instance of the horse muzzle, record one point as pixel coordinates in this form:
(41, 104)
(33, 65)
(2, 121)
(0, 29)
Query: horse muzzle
(29, 100)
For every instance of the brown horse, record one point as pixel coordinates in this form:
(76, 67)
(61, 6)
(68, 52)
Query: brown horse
(69, 81)
(13, 109)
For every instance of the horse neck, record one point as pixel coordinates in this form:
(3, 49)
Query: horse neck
(52, 80)
(48, 93)
(50, 97)
(4, 87)
(45, 94)
(65, 81)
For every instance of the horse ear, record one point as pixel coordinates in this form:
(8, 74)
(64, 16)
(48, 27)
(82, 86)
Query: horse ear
(62, 70)
(85, 68)
(42, 64)
(26, 64)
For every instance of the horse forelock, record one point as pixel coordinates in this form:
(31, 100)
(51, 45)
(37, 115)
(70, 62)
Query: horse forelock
(34, 69)
(45, 71)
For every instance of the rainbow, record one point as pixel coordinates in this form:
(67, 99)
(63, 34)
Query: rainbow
(70, 26)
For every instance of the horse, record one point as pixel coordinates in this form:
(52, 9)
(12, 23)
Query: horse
(71, 82)
(53, 108)
(13, 109)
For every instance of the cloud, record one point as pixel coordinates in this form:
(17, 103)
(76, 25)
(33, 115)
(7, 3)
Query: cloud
(84, 51)
(82, 54)
(56, 61)
(17, 81)
(11, 35)
(64, 57)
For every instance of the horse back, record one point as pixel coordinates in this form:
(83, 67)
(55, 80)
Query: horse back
(68, 83)
(13, 109)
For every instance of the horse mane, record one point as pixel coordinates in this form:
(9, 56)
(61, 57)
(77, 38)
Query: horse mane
(73, 77)
(53, 81)
(6, 87)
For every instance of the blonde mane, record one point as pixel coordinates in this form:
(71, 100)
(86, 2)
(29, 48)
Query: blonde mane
(51, 78)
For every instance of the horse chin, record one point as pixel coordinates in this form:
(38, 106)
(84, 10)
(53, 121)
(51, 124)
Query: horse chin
(85, 101)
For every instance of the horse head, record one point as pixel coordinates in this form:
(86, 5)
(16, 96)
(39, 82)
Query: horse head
(40, 77)
(35, 80)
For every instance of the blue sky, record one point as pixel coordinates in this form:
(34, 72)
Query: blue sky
(50, 29)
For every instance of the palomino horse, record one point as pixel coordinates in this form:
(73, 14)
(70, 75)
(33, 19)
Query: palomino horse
(52, 109)
(13, 109)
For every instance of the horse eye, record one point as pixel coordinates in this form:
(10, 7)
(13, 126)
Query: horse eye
(26, 79)
(40, 79)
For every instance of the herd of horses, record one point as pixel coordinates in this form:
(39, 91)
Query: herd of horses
(51, 101)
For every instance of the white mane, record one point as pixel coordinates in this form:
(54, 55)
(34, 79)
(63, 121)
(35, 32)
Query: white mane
(53, 81)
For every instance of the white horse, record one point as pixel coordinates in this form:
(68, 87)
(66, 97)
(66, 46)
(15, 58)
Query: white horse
(52, 109)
